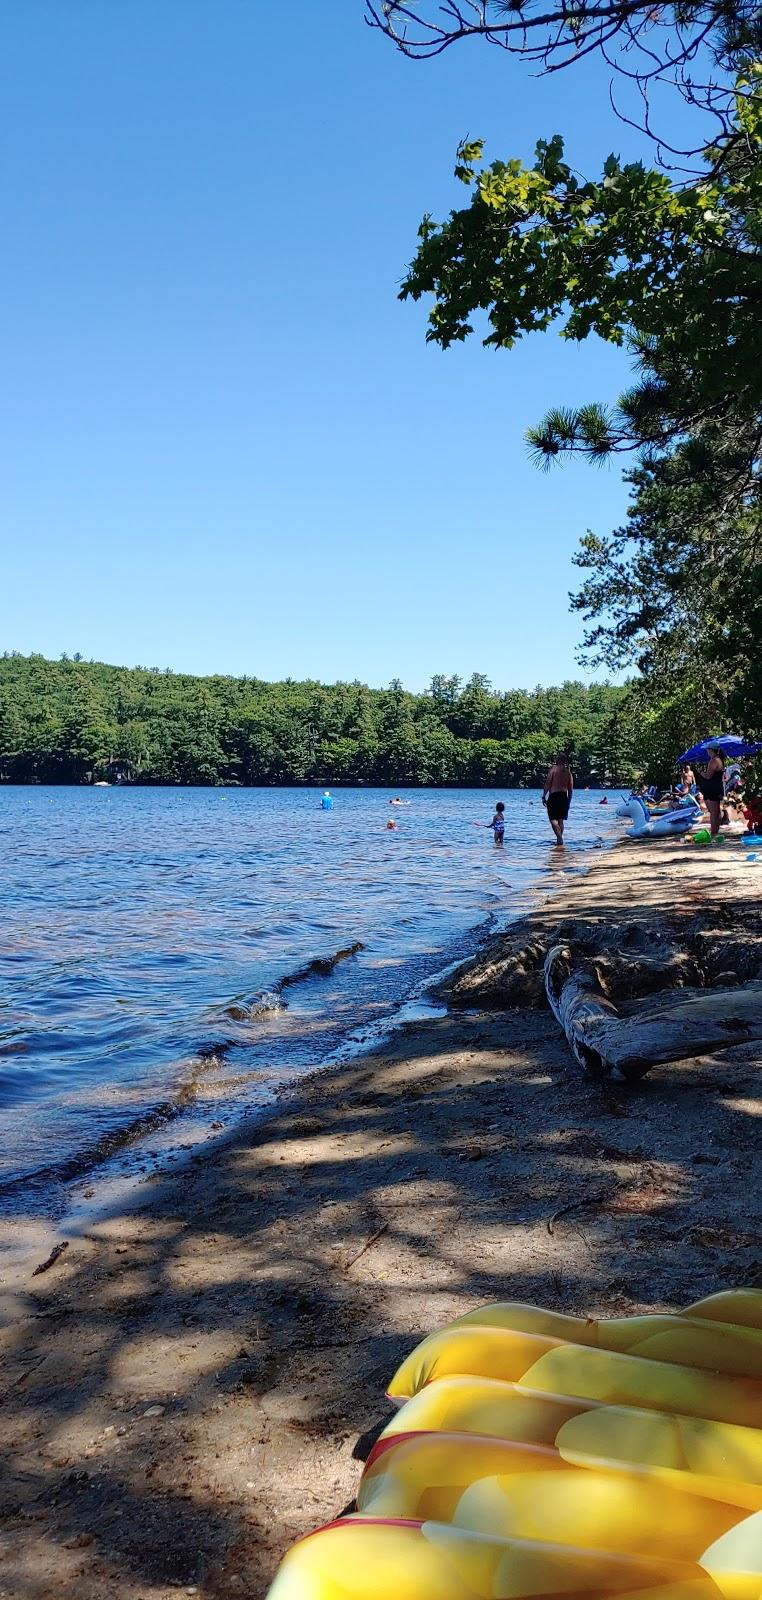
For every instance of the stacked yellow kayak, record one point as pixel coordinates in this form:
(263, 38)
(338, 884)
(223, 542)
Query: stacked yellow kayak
(538, 1455)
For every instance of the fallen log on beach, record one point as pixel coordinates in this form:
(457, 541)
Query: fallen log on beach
(578, 1004)
(624, 977)
(673, 1027)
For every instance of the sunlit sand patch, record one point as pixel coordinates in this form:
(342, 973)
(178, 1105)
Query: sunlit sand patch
(333, 1147)
(24, 1242)
(750, 1108)
(192, 1269)
(130, 1288)
(151, 1366)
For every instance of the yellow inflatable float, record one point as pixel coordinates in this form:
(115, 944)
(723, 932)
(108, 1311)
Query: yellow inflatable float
(542, 1364)
(536, 1455)
(692, 1339)
(717, 1459)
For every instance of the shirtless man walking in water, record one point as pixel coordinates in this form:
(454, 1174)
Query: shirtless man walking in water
(559, 788)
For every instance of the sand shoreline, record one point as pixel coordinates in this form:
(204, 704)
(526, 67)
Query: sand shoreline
(186, 1391)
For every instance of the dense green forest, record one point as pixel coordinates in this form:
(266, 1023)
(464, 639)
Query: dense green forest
(75, 721)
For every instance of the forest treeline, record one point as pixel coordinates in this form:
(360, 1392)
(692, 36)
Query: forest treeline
(75, 721)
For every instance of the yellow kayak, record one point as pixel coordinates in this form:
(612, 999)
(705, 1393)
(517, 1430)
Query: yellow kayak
(407, 1560)
(531, 1493)
(427, 1475)
(537, 1456)
(741, 1306)
(719, 1460)
(541, 1363)
(692, 1339)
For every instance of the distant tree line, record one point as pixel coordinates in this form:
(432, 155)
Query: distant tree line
(73, 721)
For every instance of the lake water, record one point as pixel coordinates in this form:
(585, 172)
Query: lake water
(145, 935)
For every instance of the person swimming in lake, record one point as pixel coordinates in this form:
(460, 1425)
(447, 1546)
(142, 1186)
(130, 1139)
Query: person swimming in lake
(557, 794)
(498, 822)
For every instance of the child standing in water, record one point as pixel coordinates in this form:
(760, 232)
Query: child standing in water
(498, 822)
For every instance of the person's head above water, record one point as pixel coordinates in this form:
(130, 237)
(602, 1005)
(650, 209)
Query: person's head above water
(500, 808)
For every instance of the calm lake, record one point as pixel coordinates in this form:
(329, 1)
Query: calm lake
(145, 935)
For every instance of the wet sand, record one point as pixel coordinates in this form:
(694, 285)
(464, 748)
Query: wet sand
(195, 1382)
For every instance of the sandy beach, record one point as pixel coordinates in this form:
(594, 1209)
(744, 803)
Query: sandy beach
(195, 1382)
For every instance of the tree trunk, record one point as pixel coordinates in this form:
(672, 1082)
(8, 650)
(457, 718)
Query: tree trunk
(577, 1004)
(674, 1027)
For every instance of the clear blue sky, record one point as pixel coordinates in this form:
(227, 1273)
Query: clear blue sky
(225, 444)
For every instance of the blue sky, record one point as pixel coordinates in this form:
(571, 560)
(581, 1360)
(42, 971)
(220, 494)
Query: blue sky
(225, 444)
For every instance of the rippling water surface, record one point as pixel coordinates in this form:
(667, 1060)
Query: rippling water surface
(145, 934)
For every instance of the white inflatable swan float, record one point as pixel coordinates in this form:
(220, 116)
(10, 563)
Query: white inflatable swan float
(663, 825)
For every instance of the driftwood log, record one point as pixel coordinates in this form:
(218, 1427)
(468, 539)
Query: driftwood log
(624, 977)
(578, 1005)
(672, 1027)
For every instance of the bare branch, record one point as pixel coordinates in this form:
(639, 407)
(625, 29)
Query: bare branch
(642, 41)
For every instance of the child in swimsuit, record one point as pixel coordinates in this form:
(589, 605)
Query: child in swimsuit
(498, 822)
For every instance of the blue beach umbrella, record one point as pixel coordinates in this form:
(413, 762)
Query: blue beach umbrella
(731, 745)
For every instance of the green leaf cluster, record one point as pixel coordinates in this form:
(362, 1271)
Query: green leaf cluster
(671, 270)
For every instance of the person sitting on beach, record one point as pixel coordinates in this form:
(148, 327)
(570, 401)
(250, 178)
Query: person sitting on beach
(687, 781)
(557, 794)
(498, 822)
(752, 811)
(734, 806)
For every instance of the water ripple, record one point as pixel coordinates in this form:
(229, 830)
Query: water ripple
(131, 919)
